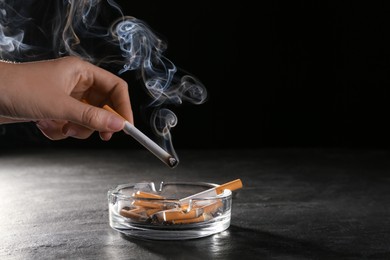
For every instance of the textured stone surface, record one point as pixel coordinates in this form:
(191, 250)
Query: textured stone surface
(295, 204)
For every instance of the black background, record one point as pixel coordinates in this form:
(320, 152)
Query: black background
(294, 74)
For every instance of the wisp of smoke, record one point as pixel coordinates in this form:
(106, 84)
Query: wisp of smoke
(11, 34)
(74, 22)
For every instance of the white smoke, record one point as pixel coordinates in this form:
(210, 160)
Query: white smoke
(11, 37)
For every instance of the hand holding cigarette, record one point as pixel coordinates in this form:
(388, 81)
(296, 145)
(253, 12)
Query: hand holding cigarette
(48, 93)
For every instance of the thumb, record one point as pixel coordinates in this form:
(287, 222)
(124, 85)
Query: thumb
(94, 117)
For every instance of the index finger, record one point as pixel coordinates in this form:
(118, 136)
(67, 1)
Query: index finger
(112, 88)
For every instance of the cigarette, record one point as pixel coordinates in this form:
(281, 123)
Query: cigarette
(148, 143)
(232, 185)
(148, 204)
(150, 212)
(134, 214)
(146, 195)
(138, 210)
(201, 218)
(212, 207)
(174, 214)
(160, 153)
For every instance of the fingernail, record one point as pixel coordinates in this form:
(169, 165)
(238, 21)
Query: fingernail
(42, 125)
(115, 123)
(105, 136)
(70, 132)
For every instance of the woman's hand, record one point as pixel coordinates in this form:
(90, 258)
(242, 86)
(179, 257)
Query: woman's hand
(50, 93)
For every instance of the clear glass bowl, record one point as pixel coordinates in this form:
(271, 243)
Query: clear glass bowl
(169, 211)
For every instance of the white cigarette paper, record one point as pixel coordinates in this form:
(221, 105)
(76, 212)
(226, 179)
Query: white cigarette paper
(146, 141)
(149, 144)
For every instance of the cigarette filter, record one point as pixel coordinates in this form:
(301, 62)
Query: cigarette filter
(232, 185)
(174, 214)
(133, 215)
(146, 195)
(201, 218)
(148, 204)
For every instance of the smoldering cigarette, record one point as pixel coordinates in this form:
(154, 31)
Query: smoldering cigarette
(160, 153)
(148, 143)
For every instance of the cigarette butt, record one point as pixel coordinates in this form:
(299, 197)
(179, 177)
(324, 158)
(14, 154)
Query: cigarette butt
(146, 195)
(207, 206)
(148, 204)
(232, 185)
(201, 218)
(151, 212)
(186, 206)
(133, 215)
(215, 191)
(136, 210)
(175, 214)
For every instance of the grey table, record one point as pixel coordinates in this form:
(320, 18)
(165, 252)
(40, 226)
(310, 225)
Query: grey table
(295, 204)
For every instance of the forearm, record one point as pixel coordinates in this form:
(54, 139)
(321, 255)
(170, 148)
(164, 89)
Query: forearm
(4, 120)
(5, 72)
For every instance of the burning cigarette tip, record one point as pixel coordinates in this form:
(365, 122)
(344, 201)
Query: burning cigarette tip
(173, 162)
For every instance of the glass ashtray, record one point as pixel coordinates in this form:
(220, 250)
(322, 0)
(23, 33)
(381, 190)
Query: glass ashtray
(171, 211)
